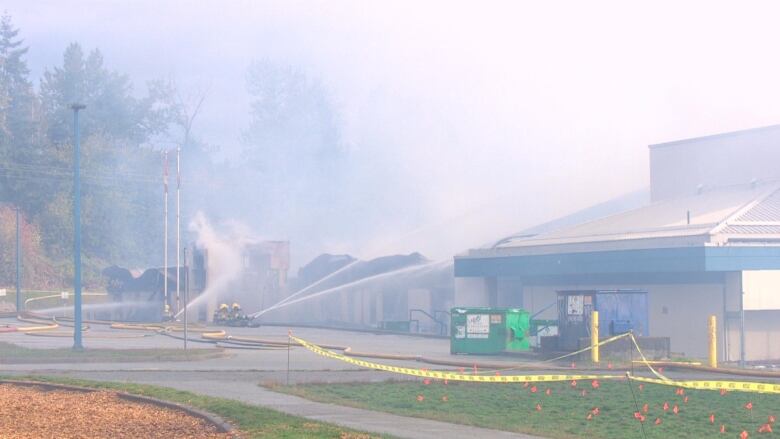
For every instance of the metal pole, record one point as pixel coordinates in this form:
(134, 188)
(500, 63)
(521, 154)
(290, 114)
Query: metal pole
(594, 337)
(178, 222)
(77, 345)
(18, 266)
(713, 337)
(742, 330)
(165, 230)
(186, 295)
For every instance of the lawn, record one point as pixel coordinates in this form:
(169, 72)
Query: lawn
(564, 412)
(252, 421)
(13, 354)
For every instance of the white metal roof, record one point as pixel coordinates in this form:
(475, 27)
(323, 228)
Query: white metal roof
(712, 217)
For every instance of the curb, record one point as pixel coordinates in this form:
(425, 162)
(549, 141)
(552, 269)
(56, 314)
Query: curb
(221, 425)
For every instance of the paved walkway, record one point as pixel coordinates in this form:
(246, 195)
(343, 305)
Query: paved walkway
(249, 392)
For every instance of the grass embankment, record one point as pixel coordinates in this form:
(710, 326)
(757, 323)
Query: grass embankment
(564, 412)
(13, 354)
(252, 421)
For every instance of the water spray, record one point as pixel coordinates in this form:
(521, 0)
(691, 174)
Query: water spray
(368, 279)
(307, 288)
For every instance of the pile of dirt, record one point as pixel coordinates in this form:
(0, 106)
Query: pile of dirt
(33, 412)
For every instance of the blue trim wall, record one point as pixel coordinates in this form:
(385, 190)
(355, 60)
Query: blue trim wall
(664, 260)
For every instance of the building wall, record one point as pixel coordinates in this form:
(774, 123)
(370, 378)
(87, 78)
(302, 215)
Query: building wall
(471, 291)
(762, 333)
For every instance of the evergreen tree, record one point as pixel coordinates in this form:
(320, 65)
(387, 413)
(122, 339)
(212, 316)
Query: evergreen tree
(17, 116)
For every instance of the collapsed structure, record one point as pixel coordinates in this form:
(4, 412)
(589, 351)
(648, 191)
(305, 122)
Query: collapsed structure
(707, 243)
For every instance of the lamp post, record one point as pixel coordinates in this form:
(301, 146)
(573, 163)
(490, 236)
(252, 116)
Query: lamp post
(18, 266)
(77, 345)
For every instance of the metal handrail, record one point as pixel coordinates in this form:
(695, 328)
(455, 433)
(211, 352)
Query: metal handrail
(442, 325)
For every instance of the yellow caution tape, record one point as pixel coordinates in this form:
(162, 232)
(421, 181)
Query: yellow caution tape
(601, 343)
(449, 375)
(737, 386)
(647, 363)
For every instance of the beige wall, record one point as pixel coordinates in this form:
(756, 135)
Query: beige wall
(762, 335)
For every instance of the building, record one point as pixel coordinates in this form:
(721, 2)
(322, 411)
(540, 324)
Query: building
(260, 279)
(707, 243)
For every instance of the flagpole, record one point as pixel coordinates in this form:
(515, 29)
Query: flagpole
(178, 223)
(165, 231)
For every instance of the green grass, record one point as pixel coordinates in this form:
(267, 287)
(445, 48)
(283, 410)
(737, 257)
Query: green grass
(252, 421)
(563, 414)
(13, 354)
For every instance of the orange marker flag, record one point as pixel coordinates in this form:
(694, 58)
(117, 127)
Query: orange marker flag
(657, 421)
(573, 383)
(534, 389)
(595, 384)
(595, 411)
(712, 418)
(771, 419)
(589, 417)
(420, 398)
(525, 384)
(744, 435)
(645, 408)
(685, 400)
(609, 365)
(548, 392)
(675, 409)
(723, 392)
(426, 381)
(722, 428)
(766, 428)
(666, 406)
(749, 405)
(641, 387)
(538, 407)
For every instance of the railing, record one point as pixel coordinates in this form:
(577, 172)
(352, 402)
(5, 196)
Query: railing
(442, 325)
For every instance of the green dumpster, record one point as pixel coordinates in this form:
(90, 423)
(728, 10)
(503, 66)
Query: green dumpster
(488, 330)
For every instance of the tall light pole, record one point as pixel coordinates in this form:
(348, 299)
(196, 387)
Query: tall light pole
(77, 345)
(18, 266)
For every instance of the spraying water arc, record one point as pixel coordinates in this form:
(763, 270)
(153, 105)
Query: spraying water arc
(365, 280)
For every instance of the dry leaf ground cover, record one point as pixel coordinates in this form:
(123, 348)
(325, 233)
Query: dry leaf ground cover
(251, 421)
(32, 412)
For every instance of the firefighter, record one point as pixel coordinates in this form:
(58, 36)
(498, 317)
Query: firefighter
(236, 311)
(223, 313)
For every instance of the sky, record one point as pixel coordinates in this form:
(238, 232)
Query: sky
(496, 115)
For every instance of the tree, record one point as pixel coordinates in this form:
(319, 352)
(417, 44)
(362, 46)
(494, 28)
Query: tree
(17, 113)
(294, 143)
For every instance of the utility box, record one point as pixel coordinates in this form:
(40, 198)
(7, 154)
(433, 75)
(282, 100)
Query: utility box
(489, 330)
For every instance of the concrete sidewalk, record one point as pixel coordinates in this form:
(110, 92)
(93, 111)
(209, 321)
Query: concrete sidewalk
(241, 389)
(358, 419)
